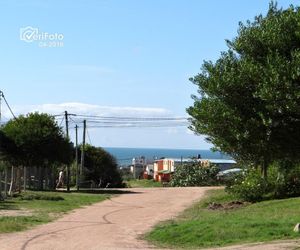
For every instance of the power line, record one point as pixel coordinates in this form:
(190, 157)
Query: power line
(87, 132)
(72, 120)
(133, 118)
(139, 126)
(119, 119)
(62, 119)
(133, 121)
(62, 114)
(97, 121)
(2, 95)
(136, 126)
(130, 122)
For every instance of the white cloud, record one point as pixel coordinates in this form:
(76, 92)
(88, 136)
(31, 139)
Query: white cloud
(90, 109)
(179, 137)
(172, 131)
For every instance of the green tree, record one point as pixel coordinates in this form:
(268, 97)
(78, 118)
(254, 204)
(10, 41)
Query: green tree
(34, 140)
(101, 167)
(249, 102)
(8, 149)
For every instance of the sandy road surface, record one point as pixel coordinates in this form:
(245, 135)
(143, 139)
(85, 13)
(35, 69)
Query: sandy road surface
(112, 224)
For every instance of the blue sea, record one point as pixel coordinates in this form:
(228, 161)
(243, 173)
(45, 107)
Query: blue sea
(124, 155)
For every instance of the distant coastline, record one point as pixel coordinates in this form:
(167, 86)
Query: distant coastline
(124, 155)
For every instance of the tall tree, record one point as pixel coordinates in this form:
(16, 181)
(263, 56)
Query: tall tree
(34, 140)
(249, 102)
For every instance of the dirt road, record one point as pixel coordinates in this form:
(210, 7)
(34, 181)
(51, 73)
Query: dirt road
(113, 224)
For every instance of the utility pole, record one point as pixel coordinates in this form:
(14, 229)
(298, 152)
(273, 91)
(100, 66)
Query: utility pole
(1, 94)
(5, 168)
(67, 134)
(5, 174)
(0, 170)
(67, 123)
(76, 155)
(83, 147)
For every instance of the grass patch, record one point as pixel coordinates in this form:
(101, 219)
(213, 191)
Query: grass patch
(200, 227)
(41, 196)
(18, 223)
(45, 207)
(142, 183)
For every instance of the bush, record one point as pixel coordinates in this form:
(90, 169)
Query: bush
(229, 179)
(126, 174)
(282, 182)
(249, 186)
(194, 174)
(285, 181)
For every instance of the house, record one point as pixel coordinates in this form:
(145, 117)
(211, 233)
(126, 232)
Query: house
(140, 165)
(137, 170)
(222, 164)
(149, 171)
(163, 169)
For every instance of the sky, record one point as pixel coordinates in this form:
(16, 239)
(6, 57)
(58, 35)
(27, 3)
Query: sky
(115, 58)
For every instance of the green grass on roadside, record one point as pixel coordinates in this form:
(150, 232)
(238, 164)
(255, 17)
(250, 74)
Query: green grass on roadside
(142, 183)
(200, 227)
(44, 207)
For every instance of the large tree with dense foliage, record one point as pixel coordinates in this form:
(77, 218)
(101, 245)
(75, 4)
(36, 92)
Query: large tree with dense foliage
(249, 102)
(101, 167)
(34, 140)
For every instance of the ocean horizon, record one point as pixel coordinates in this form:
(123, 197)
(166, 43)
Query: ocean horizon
(124, 156)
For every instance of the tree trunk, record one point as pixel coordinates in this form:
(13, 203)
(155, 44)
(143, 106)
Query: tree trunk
(18, 180)
(29, 169)
(48, 178)
(264, 170)
(25, 178)
(68, 178)
(1, 196)
(53, 179)
(36, 178)
(41, 178)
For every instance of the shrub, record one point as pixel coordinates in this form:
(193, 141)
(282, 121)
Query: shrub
(285, 181)
(282, 182)
(249, 186)
(230, 178)
(194, 174)
(126, 174)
